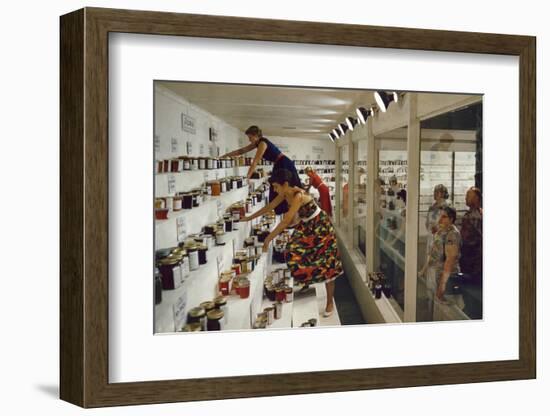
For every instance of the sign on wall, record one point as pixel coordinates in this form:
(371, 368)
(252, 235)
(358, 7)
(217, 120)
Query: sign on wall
(171, 184)
(317, 149)
(188, 124)
(181, 228)
(157, 143)
(189, 148)
(213, 134)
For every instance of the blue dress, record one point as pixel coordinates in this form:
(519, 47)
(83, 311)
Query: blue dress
(272, 154)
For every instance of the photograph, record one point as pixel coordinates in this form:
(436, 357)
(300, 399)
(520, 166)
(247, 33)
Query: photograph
(284, 207)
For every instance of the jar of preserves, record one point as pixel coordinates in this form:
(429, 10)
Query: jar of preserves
(221, 304)
(193, 161)
(270, 312)
(244, 287)
(214, 322)
(192, 327)
(280, 294)
(197, 314)
(202, 163)
(278, 310)
(193, 253)
(224, 283)
(203, 250)
(210, 163)
(215, 188)
(170, 270)
(186, 163)
(161, 213)
(289, 294)
(220, 237)
(228, 223)
(177, 203)
(207, 305)
(187, 200)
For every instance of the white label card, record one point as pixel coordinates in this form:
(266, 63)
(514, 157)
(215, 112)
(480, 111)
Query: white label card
(157, 143)
(181, 228)
(174, 145)
(171, 184)
(201, 149)
(189, 149)
(179, 312)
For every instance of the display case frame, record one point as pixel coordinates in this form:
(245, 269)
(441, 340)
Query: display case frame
(84, 259)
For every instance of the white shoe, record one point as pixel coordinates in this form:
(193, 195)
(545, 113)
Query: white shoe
(328, 314)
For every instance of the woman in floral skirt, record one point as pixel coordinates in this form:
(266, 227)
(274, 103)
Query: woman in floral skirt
(313, 252)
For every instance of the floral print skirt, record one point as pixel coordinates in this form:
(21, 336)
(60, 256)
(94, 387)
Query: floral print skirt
(313, 252)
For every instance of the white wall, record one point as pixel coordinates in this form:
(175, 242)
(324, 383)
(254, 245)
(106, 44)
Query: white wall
(168, 110)
(309, 149)
(29, 307)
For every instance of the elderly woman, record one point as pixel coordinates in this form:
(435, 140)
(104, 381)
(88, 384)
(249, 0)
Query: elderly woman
(443, 258)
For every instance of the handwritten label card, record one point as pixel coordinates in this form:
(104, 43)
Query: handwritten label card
(174, 145)
(171, 184)
(189, 148)
(157, 143)
(181, 228)
(180, 315)
(201, 149)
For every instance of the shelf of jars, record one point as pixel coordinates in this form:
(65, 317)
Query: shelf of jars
(222, 273)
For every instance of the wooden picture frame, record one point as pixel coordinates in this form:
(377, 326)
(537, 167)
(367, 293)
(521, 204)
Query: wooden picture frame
(84, 207)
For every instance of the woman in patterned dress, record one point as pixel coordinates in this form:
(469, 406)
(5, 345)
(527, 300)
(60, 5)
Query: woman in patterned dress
(313, 252)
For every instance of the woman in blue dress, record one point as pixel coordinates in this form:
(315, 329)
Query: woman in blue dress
(268, 151)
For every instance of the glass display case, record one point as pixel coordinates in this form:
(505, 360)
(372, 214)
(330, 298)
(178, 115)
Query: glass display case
(360, 196)
(394, 223)
(390, 187)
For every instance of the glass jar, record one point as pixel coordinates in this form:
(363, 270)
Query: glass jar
(228, 223)
(192, 327)
(166, 165)
(278, 310)
(214, 320)
(289, 294)
(280, 294)
(221, 304)
(224, 283)
(270, 312)
(210, 229)
(215, 188)
(174, 165)
(244, 287)
(210, 163)
(193, 253)
(186, 163)
(177, 203)
(219, 237)
(161, 213)
(202, 163)
(170, 270)
(187, 200)
(197, 314)
(194, 163)
(203, 249)
(208, 305)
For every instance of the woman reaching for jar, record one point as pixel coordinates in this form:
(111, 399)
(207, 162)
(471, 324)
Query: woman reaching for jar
(313, 252)
(268, 151)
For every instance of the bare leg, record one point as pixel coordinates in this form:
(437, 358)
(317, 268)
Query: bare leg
(330, 296)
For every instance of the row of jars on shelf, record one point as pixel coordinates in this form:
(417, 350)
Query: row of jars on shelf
(175, 264)
(319, 171)
(196, 197)
(185, 163)
(314, 162)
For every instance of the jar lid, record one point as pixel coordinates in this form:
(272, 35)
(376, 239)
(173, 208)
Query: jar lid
(220, 232)
(244, 282)
(197, 312)
(207, 305)
(215, 314)
(220, 300)
(168, 261)
(192, 327)
(202, 247)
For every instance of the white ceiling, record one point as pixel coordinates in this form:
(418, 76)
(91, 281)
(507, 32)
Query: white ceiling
(279, 111)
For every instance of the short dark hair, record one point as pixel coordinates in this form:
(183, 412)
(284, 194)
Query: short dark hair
(476, 191)
(451, 212)
(254, 131)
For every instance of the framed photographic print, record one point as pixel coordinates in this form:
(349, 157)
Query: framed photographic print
(254, 207)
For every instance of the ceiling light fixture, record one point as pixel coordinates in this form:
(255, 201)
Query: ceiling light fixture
(343, 128)
(383, 99)
(352, 122)
(363, 114)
